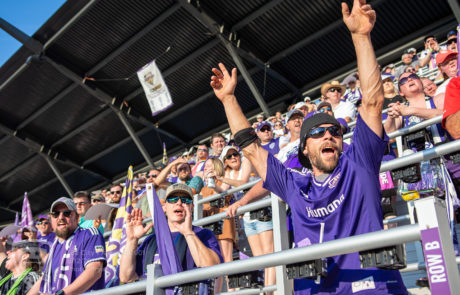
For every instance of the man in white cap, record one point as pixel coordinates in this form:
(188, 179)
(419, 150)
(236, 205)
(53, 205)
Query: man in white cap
(196, 246)
(76, 259)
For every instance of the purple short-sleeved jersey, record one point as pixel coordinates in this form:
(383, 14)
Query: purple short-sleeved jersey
(206, 237)
(45, 242)
(348, 204)
(89, 247)
(273, 147)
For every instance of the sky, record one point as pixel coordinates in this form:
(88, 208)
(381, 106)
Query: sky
(26, 15)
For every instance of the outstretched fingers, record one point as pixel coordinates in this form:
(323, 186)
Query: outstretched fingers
(345, 10)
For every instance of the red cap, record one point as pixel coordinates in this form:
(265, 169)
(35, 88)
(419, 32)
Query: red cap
(443, 55)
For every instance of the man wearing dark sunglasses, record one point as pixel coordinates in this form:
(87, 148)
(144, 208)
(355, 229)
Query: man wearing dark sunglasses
(340, 196)
(196, 246)
(45, 235)
(265, 134)
(332, 93)
(76, 260)
(115, 193)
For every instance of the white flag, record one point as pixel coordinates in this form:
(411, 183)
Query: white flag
(155, 88)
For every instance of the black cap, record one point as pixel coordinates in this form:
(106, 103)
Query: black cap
(309, 123)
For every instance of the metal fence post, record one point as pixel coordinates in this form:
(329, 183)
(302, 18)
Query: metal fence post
(197, 208)
(153, 271)
(281, 242)
(437, 244)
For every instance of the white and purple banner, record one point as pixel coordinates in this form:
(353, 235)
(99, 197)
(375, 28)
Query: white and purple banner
(26, 216)
(155, 88)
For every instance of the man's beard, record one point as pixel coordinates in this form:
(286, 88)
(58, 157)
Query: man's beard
(63, 233)
(317, 161)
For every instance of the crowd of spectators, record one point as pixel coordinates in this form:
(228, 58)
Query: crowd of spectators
(69, 250)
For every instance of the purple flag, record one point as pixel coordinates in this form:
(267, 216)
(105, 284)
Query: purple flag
(26, 216)
(16, 237)
(117, 240)
(169, 259)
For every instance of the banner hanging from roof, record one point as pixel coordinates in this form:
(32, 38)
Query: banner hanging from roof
(155, 88)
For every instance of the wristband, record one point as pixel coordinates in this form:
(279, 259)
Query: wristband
(245, 137)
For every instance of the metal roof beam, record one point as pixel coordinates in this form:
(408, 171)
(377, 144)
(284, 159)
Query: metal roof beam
(212, 26)
(18, 167)
(59, 175)
(24, 66)
(455, 9)
(41, 149)
(245, 21)
(313, 37)
(101, 64)
(29, 42)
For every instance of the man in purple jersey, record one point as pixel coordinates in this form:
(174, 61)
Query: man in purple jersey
(195, 246)
(76, 259)
(45, 236)
(265, 133)
(341, 193)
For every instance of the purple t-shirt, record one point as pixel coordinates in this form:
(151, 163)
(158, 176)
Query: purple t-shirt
(45, 242)
(206, 237)
(273, 147)
(348, 204)
(89, 247)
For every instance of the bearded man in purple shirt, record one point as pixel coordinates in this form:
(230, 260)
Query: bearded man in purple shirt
(340, 195)
(76, 259)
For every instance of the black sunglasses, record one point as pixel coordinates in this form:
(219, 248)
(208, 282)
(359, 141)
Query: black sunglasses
(453, 40)
(404, 80)
(319, 132)
(152, 176)
(42, 222)
(335, 89)
(115, 192)
(265, 129)
(235, 154)
(66, 213)
(175, 199)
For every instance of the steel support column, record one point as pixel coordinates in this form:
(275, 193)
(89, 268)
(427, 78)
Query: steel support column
(135, 138)
(247, 77)
(58, 175)
(455, 9)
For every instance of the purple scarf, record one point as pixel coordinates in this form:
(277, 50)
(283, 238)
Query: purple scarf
(64, 272)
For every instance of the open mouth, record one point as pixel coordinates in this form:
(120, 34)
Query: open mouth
(328, 151)
(179, 211)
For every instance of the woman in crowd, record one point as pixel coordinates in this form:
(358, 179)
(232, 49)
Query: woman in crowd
(278, 129)
(24, 264)
(389, 91)
(213, 169)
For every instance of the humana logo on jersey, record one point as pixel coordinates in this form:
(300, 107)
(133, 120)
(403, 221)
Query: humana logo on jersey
(324, 211)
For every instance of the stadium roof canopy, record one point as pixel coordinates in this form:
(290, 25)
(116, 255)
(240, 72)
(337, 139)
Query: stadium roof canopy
(54, 124)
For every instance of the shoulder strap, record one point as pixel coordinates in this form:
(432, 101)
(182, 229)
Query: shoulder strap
(18, 281)
(152, 247)
(5, 279)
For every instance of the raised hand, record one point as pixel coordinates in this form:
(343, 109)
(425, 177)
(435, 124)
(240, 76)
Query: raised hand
(134, 227)
(186, 226)
(361, 20)
(222, 82)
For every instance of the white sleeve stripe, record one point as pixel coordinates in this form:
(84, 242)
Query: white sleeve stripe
(95, 259)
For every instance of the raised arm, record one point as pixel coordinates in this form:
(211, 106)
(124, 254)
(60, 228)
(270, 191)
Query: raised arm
(161, 178)
(360, 22)
(224, 85)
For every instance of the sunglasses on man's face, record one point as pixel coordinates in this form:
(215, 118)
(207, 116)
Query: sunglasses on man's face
(175, 199)
(235, 154)
(203, 150)
(327, 109)
(450, 41)
(335, 89)
(115, 192)
(56, 214)
(152, 176)
(265, 129)
(404, 80)
(42, 222)
(319, 132)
